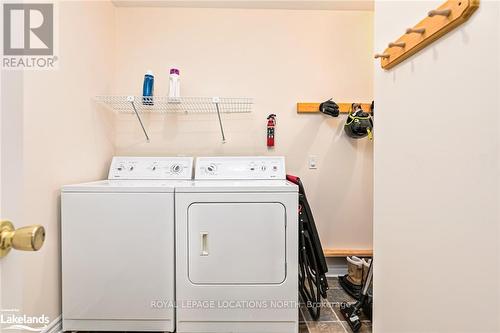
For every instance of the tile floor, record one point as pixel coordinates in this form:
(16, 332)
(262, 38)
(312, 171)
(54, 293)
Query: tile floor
(331, 320)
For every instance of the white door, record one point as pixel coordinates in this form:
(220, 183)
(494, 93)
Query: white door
(13, 238)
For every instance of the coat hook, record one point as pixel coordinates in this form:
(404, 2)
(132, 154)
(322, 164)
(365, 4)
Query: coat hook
(383, 56)
(442, 12)
(398, 44)
(416, 30)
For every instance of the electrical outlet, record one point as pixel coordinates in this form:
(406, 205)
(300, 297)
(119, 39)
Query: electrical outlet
(313, 162)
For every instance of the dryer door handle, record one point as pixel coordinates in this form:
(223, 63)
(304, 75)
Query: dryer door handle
(204, 243)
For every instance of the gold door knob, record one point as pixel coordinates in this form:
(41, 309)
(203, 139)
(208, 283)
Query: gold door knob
(28, 238)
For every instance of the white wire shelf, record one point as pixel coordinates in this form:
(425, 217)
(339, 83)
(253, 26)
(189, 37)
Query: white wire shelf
(141, 104)
(159, 104)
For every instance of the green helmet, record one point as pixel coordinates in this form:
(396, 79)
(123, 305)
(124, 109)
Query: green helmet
(359, 123)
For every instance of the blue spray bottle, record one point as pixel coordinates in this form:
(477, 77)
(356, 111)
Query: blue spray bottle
(148, 88)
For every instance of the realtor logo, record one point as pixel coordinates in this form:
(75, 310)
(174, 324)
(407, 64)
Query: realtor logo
(28, 36)
(14, 320)
(29, 29)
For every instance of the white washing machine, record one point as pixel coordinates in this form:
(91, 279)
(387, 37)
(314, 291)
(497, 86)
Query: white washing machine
(236, 247)
(118, 247)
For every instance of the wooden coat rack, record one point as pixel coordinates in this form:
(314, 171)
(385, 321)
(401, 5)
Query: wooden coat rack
(438, 22)
(343, 107)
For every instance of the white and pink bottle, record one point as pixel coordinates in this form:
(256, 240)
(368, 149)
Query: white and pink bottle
(174, 92)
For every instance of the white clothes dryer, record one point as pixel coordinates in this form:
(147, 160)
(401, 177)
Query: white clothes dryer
(237, 247)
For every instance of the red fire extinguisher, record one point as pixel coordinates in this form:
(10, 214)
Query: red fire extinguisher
(271, 124)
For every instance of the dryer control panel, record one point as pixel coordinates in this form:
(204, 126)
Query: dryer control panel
(151, 168)
(257, 167)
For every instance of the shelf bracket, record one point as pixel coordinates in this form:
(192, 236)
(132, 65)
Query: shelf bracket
(216, 100)
(132, 102)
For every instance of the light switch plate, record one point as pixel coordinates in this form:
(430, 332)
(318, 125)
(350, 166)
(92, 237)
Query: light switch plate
(313, 162)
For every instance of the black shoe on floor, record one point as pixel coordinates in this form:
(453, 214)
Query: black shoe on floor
(350, 288)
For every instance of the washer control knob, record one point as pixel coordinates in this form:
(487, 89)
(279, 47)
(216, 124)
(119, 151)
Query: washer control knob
(176, 168)
(211, 168)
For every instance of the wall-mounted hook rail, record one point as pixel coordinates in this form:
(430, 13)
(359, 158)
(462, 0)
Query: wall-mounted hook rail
(343, 107)
(438, 22)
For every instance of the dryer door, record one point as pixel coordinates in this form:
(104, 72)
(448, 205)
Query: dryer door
(237, 243)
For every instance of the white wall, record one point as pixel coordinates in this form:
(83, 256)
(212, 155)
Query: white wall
(62, 138)
(277, 57)
(437, 177)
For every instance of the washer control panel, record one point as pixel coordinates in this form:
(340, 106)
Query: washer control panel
(258, 167)
(151, 168)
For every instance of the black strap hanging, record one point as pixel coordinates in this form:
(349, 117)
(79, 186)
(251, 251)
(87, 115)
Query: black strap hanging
(312, 263)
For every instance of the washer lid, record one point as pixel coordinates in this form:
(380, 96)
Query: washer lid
(126, 186)
(204, 186)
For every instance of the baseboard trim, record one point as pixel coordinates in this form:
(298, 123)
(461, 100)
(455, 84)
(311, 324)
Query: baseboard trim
(55, 326)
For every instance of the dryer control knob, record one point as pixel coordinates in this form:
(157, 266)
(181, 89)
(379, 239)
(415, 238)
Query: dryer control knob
(211, 168)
